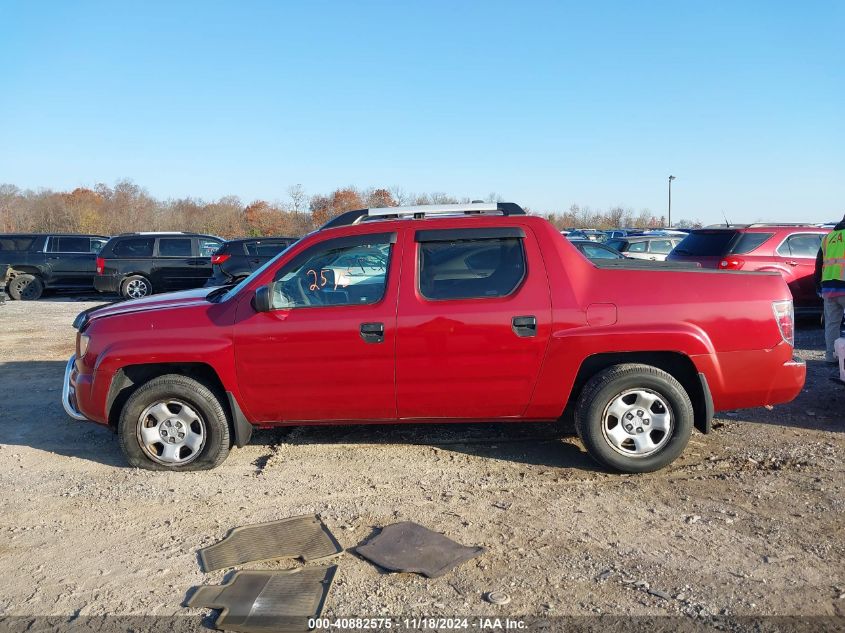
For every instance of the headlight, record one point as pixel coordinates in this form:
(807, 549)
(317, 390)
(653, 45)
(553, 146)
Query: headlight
(84, 339)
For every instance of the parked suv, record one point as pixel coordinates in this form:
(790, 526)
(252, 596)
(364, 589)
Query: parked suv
(140, 264)
(236, 259)
(651, 247)
(59, 261)
(787, 249)
(464, 313)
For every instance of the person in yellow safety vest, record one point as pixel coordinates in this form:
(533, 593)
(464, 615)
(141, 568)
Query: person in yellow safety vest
(830, 284)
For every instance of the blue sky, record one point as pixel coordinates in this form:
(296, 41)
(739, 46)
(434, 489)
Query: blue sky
(547, 104)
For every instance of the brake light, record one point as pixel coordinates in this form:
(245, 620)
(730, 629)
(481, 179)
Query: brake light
(732, 263)
(785, 317)
(101, 265)
(219, 259)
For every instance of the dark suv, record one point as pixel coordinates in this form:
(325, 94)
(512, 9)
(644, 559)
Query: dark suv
(236, 259)
(34, 262)
(139, 264)
(788, 249)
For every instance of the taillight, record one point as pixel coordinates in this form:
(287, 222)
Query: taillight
(219, 259)
(101, 265)
(785, 317)
(731, 263)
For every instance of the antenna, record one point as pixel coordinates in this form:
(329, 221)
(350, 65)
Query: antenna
(724, 215)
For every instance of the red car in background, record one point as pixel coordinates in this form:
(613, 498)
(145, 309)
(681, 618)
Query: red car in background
(788, 249)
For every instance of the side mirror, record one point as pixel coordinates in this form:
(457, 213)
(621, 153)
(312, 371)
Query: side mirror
(261, 301)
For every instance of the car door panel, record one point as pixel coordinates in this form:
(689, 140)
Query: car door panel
(320, 363)
(470, 358)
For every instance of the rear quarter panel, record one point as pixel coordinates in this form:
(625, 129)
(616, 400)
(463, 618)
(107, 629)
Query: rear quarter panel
(722, 321)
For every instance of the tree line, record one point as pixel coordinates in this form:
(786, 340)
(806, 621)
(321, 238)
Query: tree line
(126, 207)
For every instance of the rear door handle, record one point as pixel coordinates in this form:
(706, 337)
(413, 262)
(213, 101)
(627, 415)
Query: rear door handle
(372, 332)
(524, 325)
(791, 263)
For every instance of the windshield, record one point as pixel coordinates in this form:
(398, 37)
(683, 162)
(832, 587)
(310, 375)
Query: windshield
(236, 289)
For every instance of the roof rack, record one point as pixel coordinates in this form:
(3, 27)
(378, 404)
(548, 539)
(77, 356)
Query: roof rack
(759, 224)
(421, 211)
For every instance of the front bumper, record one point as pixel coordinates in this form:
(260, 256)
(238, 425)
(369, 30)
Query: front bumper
(69, 390)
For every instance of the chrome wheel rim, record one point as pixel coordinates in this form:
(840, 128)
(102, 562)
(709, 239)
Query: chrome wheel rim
(137, 288)
(171, 432)
(637, 422)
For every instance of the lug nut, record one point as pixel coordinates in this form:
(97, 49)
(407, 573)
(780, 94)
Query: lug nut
(646, 421)
(639, 414)
(628, 416)
(639, 429)
(629, 427)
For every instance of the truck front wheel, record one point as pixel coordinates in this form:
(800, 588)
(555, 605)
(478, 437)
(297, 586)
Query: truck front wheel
(174, 423)
(634, 418)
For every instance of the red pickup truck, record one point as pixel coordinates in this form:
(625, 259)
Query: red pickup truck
(465, 313)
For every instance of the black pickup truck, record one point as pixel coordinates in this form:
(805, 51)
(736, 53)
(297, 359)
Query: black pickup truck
(34, 262)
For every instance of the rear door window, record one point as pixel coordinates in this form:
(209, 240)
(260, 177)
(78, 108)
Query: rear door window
(70, 244)
(801, 245)
(661, 247)
(97, 244)
(470, 268)
(265, 248)
(747, 242)
(134, 247)
(637, 247)
(174, 247)
(706, 243)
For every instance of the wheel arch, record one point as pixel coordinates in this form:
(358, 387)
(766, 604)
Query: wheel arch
(126, 276)
(130, 377)
(14, 271)
(675, 364)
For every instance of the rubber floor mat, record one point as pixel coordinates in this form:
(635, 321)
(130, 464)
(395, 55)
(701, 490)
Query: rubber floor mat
(304, 537)
(408, 546)
(263, 601)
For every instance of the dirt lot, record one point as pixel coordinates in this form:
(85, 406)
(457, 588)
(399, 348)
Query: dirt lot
(748, 521)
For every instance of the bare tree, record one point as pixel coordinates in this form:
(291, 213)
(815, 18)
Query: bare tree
(297, 196)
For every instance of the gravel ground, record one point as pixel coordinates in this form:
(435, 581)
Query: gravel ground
(748, 522)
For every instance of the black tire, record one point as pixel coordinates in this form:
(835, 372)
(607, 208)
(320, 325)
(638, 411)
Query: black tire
(624, 385)
(26, 287)
(176, 391)
(136, 287)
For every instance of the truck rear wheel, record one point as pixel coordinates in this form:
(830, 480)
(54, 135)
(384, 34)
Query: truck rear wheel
(136, 287)
(26, 287)
(634, 418)
(174, 423)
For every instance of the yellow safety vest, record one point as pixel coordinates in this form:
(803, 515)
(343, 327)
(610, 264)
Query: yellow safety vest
(833, 252)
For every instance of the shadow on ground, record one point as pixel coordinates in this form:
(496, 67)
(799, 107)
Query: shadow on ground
(32, 415)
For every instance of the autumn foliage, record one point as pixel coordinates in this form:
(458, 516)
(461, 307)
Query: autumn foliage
(127, 207)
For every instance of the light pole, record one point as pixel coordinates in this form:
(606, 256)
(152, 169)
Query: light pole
(671, 178)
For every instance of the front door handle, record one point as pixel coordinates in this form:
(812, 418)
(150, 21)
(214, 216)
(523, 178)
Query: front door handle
(524, 325)
(372, 332)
